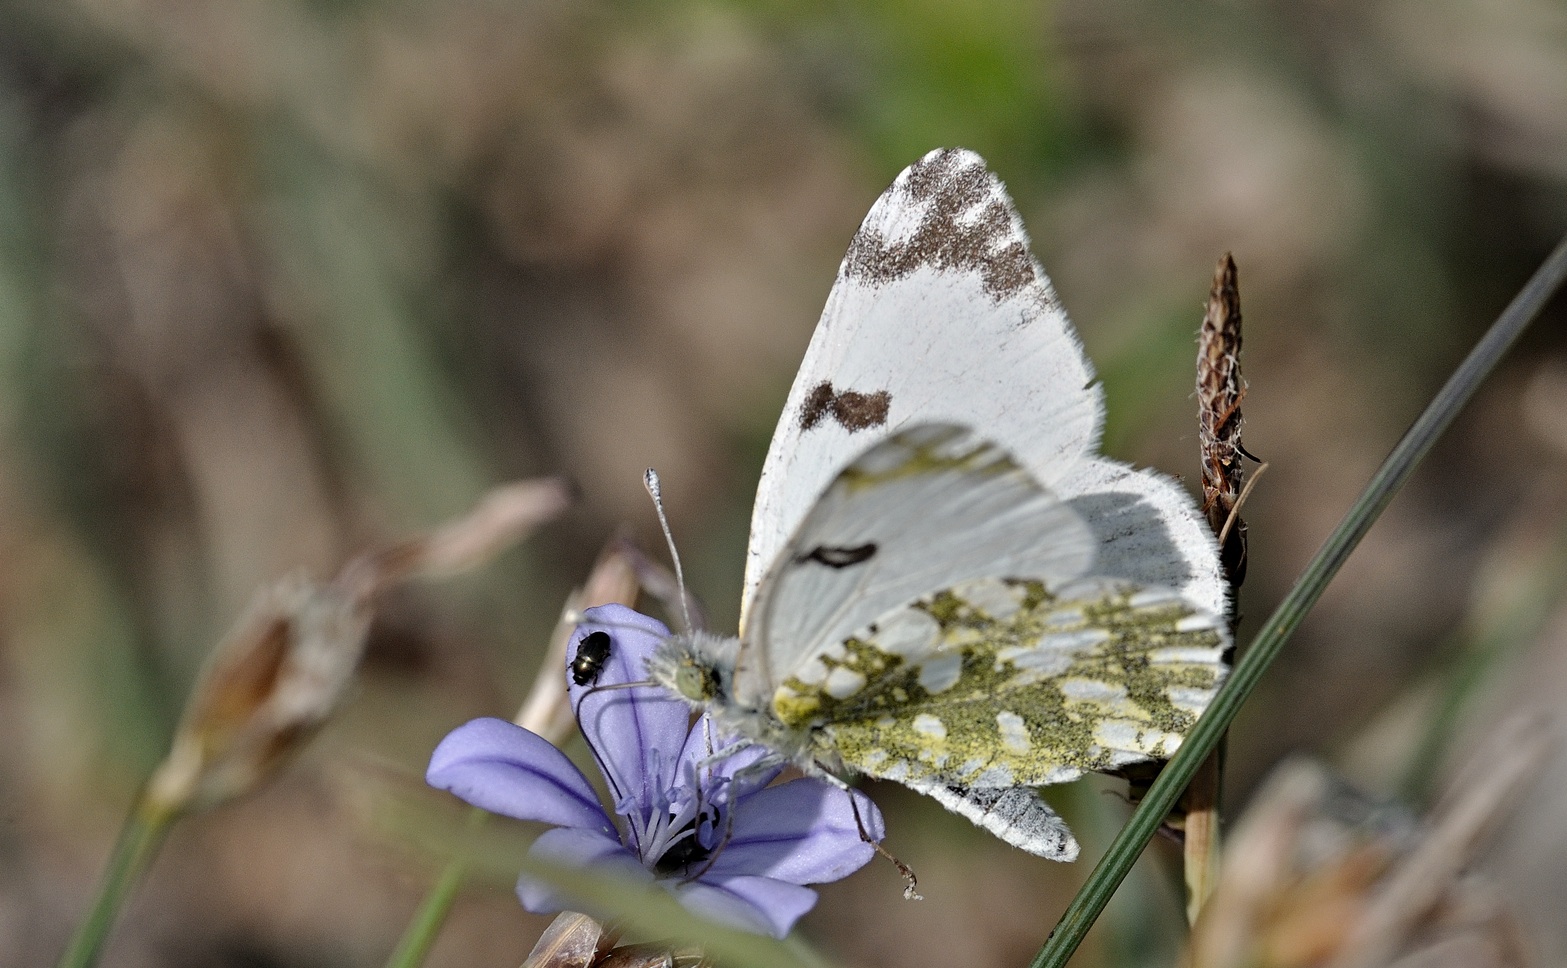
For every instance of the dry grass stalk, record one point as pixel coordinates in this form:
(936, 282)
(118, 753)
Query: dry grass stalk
(1415, 892)
(614, 578)
(1220, 389)
(1315, 876)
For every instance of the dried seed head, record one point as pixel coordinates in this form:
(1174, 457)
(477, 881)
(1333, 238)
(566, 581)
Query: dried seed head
(502, 517)
(571, 941)
(1220, 390)
(283, 668)
(271, 683)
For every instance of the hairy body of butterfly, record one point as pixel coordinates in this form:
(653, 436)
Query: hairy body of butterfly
(947, 586)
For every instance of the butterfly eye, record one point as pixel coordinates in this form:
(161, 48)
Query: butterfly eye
(698, 683)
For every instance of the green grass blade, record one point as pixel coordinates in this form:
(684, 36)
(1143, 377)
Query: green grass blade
(419, 937)
(1123, 852)
(138, 843)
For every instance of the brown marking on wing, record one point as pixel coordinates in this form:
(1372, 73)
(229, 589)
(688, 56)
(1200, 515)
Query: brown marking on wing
(854, 411)
(968, 226)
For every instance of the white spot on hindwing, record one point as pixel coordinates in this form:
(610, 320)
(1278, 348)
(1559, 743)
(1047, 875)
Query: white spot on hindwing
(930, 726)
(813, 673)
(1064, 618)
(1189, 700)
(1198, 622)
(1192, 656)
(1120, 734)
(941, 672)
(843, 682)
(1014, 732)
(1078, 640)
(1045, 662)
(993, 597)
(1092, 691)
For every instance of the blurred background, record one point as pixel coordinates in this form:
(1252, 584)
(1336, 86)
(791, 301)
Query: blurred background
(284, 279)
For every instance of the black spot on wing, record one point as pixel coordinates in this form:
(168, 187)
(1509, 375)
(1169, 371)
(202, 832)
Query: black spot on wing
(967, 226)
(853, 411)
(838, 557)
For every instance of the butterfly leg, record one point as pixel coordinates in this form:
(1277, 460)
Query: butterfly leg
(911, 883)
(724, 752)
(762, 767)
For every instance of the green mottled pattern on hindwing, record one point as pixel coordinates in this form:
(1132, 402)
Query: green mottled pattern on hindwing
(1005, 683)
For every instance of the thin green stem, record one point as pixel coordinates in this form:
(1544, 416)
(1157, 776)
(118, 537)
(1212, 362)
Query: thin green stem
(139, 839)
(1417, 441)
(425, 927)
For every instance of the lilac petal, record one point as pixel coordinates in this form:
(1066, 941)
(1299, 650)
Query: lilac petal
(802, 832)
(637, 733)
(575, 848)
(758, 904)
(507, 770)
(705, 739)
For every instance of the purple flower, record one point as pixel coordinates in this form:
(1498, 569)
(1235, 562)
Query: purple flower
(729, 846)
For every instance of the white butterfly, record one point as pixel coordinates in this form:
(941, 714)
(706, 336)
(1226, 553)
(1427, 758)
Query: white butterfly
(947, 586)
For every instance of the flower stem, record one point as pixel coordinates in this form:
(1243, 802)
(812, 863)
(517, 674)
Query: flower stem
(139, 839)
(426, 925)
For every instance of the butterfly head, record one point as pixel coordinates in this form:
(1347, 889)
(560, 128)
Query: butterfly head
(698, 667)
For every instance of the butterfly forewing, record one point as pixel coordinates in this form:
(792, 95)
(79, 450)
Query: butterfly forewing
(939, 314)
(1147, 531)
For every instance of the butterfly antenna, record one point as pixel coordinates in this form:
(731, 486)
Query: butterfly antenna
(650, 481)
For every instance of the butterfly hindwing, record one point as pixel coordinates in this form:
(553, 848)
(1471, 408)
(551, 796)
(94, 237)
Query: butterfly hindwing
(931, 623)
(1002, 682)
(1015, 814)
